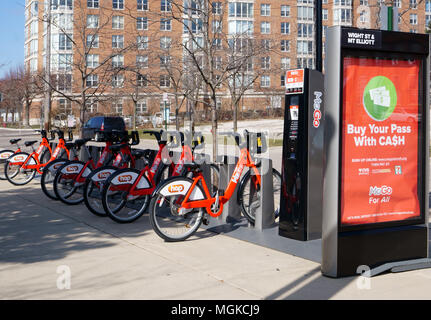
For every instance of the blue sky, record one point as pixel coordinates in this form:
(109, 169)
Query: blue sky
(11, 34)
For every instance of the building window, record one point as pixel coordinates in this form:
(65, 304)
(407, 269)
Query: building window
(117, 107)
(142, 80)
(325, 14)
(413, 19)
(142, 23)
(265, 10)
(240, 27)
(285, 45)
(93, 41)
(282, 80)
(266, 44)
(142, 42)
(216, 26)
(64, 42)
(265, 62)
(363, 2)
(142, 4)
(92, 60)
(118, 4)
(92, 4)
(117, 41)
(117, 81)
(165, 5)
(165, 61)
(342, 15)
(141, 106)
(241, 9)
(285, 11)
(217, 44)
(265, 27)
(64, 82)
(65, 106)
(165, 81)
(265, 81)
(142, 61)
(216, 8)
(413, 4)
(285, 63)
(165, 24)
(118, 61)
(61, 62)
(304, 47)
(92, 21)
(56, 4)
(305, 30)
(217, 62)
(92, 81)
(91, 106)
(165, 43)
(305, 13)
(397, 3)
(285, 27)
(117, 22)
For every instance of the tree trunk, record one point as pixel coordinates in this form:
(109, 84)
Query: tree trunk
(26, 115)
(214, 129)
(235, 117)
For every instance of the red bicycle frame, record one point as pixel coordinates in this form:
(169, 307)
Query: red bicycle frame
(35, 155)
(245, 160)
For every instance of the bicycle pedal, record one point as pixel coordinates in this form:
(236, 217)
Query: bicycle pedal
(206, 221)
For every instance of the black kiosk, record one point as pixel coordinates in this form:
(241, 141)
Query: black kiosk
(302, 162)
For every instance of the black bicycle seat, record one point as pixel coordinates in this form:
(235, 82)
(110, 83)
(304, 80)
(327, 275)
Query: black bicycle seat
(80, 142)
(139, 153)
(13, 141)
(117, 147)
(30, 143)
(192, 166)
(69, 145)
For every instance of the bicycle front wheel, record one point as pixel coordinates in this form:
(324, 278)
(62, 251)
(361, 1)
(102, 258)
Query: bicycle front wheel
(168, 219)
(66, 186)
(249, 195)
(48, 175)
(119, 204)
(93, 188)
(4, 155)
(16, 172)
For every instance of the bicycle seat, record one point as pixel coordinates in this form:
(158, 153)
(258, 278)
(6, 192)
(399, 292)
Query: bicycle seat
(69, 145)
(80, 142)
(192, 166)
(13, 141)
(117, 147)
(137, 154)
(30, 143)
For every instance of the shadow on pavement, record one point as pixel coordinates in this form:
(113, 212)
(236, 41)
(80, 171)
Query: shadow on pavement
(34, 228)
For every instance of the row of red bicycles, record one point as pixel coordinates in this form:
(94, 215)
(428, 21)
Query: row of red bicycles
(174, 189)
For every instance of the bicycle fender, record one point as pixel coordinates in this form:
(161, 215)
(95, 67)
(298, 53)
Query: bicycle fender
(180, 186)
(5, 154)
(129, 177)
(21, 157)
(55, 166)
(75, 167)
(102, 174)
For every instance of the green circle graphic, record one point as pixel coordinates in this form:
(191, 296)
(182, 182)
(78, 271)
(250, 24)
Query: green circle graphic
(380, 98)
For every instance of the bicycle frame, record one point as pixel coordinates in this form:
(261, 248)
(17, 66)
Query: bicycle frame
(35, 155)
(245, 160)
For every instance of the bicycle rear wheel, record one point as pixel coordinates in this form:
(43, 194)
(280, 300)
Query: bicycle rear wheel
(14, 171)
(167, 219)
(249, 195)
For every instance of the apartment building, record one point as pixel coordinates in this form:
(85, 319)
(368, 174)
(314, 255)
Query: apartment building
(120, 56)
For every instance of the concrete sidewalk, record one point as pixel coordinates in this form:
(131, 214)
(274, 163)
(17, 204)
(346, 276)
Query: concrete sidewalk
(112, 261)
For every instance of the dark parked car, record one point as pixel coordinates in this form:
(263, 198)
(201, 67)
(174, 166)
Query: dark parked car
(102, 123)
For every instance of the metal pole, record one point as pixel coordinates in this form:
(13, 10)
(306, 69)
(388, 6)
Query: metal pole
(47, 104)
(318, 34)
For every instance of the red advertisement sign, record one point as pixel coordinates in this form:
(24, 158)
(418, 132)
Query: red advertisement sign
(294, 81)
(379, 180)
